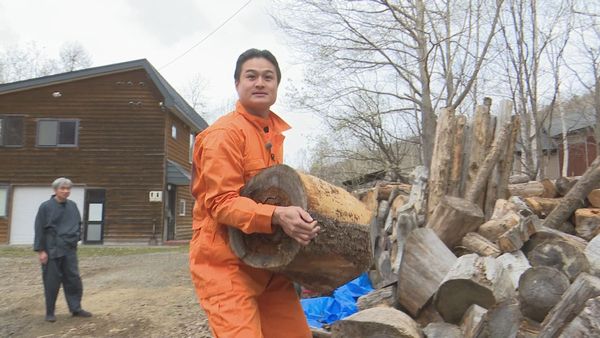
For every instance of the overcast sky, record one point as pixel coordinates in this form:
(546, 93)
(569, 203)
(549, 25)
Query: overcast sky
(121, 30)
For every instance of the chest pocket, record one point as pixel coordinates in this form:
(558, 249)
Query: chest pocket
(253, 167)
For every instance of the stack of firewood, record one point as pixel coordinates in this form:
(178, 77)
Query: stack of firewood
(463, 253)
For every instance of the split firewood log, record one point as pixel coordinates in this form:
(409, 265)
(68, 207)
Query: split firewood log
(515, 264)
(503, 207)
(377, 322)
(514, 238)
(549, 188)
(502, 320)
(472, 280)
(587, 223)
(592, 253)
(587, 322)
(529, 189)
(340, 253)
(474, 242)
(453, 218)
(369, 198)
(594, 198)
(472, 322)
(493, 228)
(442, 330)
(561, 255)
(542, 206)
(385, 190)
(385, 296)
(564, 184)
(570, 305)
(425, 262)
(540, 289)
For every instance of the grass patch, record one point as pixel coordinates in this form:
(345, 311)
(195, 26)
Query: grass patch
(95, 251)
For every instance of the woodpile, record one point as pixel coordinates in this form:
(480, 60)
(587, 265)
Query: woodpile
(468, 251)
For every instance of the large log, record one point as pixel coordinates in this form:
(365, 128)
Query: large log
(493, 228)
(544, 234)
(479, 144)
(570, 305)
(540, 289)
(385, 296)
(425, 262)
(542, 206)
(592, 253)
(453, 218)
(587, 223)
(587, 322)
(375, 323)
(474, 242)
(472, 280)
(529, 189)
(454, 184)
(561, 255)
(340, 253)
(441, 160)
(594, 198)
(573, 200)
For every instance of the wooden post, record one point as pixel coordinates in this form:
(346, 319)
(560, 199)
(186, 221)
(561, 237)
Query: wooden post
(425, 263)
(340, 253)
(574, 198)
(441, 160)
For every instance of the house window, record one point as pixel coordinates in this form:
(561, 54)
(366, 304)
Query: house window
(181, 207)
(191, 155)
(173, 131)
(11, 131)
(57, 133)
(3, 200)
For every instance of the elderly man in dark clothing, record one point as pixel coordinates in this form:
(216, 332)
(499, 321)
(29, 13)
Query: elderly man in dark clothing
(57, 231)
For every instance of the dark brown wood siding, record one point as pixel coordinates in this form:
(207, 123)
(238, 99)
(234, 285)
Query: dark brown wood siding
(121, 146)
(3, 229)
(183, 230)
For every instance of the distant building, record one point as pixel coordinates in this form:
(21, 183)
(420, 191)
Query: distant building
(120, 132)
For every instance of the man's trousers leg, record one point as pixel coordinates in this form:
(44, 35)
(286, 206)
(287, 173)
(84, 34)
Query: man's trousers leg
(71, 281)
(51, 276)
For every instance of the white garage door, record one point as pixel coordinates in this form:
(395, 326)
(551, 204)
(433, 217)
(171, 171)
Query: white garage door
(25, 204)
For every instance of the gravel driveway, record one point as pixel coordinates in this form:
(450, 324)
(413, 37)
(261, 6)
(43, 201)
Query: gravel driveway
(130, 291)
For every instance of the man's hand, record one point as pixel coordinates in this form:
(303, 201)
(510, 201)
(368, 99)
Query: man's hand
(296, 223)
(43, 257)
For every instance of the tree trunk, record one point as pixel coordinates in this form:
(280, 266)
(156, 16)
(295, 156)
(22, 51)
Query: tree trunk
(441, 161)
(587, 223)
(376, 322)
(515, 264)
(570, 305)
(529, 189)
(385, 296)
(425, 262)
(337, 255)
(561, 255)
(453, 218)
(472, 322)
(540, 289)
(587, 322)
(594, 198)
(542, 206)
(472, 280)
(574, 198)
(478, 244)
(564, 184)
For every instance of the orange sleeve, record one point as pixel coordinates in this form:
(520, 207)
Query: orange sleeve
(222, 176)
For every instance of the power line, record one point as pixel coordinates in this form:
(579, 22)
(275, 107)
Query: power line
(207, 36)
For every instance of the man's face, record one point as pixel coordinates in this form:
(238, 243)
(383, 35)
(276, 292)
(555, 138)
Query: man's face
(63, 192)
(257, 86)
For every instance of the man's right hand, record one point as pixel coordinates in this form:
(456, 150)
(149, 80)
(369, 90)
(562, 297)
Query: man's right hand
(296, 223)
(43, 257)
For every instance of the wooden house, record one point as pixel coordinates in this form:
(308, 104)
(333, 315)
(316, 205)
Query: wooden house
(120, 132)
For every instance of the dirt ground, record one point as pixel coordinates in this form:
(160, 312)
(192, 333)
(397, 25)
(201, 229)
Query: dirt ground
(132, 292)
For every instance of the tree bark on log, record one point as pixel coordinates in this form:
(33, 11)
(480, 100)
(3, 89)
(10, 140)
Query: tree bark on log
(564, 184)
(570, 305)
(340, 252)
(573, 200)
(587, 322)
(592, 253)
(385, 296)
(472, 280)
(478, 244)
(515, 264)
(529, 189)
(425, 262)
(542, 206)
(561, 255)
(540, 289)
(472, 322)
(587, 223)
(376, 322)
(594, 198)
(441, 161)
(453, 218)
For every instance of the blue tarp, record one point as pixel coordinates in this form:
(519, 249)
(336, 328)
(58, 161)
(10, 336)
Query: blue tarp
(326, 310)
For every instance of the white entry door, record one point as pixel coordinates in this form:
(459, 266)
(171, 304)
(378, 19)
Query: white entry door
(25, 204)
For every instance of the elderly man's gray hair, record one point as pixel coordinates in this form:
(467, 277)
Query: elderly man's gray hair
(61, 181)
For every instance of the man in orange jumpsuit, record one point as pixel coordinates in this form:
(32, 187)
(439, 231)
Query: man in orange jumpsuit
(241, 301)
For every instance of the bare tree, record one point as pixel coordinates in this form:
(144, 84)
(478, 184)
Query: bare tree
(73, 56)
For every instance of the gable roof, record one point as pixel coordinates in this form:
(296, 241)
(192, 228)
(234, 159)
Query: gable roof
(172, 99)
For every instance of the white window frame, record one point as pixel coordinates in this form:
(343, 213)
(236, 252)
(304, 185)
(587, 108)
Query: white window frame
(182, 207)
(174, 131)
(57, 144)
(4, 189)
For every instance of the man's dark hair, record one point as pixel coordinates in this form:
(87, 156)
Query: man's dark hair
(254, 53)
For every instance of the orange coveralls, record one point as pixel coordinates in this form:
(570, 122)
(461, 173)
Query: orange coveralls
(240, 301)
